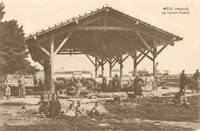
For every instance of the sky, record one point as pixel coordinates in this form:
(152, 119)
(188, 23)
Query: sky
(35, 15)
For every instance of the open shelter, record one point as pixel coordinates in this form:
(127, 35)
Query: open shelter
(106, 34)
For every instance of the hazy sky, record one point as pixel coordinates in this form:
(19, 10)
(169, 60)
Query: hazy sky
(39, 14)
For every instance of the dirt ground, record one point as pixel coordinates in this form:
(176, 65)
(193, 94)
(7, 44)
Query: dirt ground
(147, 113)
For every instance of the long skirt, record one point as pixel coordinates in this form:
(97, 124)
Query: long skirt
(22, 90)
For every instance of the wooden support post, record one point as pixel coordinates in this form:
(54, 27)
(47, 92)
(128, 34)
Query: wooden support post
(46, 65)
(110, 68)
(154, 63)
(52, 64)
(121, 72)
(102, 68)
(96, 64)
(135, 62)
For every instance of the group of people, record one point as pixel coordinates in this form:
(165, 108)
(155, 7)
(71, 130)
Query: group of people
(185, 80)
(50, 108)
(53, 108)
(180, 99)
(78, 85)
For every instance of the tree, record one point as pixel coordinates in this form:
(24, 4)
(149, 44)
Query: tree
(13, 48)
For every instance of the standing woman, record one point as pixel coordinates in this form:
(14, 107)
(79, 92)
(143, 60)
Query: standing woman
(138, 86)
(19, 87)
(22, 90)
(7, 92)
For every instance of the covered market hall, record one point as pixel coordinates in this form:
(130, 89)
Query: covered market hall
(105, 36)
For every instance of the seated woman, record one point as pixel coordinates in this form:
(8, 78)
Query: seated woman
(44, 108)
(54, 106)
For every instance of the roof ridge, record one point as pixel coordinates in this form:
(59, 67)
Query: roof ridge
(94, 11)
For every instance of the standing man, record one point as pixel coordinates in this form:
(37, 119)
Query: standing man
(183, 80)
(138, 86)
(196, 78)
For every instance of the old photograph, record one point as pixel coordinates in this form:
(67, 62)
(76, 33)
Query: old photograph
(90, 65)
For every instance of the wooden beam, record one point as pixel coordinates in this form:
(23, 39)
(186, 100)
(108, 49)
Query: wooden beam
(41, 62)
(91, 20)
(142, 31)
(90, 59)
(123, 23)
(43, 49)
(105, 19)
(65, 53)
(141, 59)
(144, 42)
(117, 59)
(139, 55)
(146, 54)
(105, 62)
(63, 42)
(114, 64)
(125, 57)
(104, 28)
(162, 49)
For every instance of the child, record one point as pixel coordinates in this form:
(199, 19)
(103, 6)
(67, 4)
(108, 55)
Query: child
(71, 110)
(95, 110)
(7, 92)
(180, 100)
(79, 110)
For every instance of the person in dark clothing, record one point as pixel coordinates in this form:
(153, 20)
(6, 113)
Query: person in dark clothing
(35, 82)
(44, 108)
(183, 80)
(138, 86)
(40, 84)
(116, 83)
(104, 84)
(196, 78)
(54, 106)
